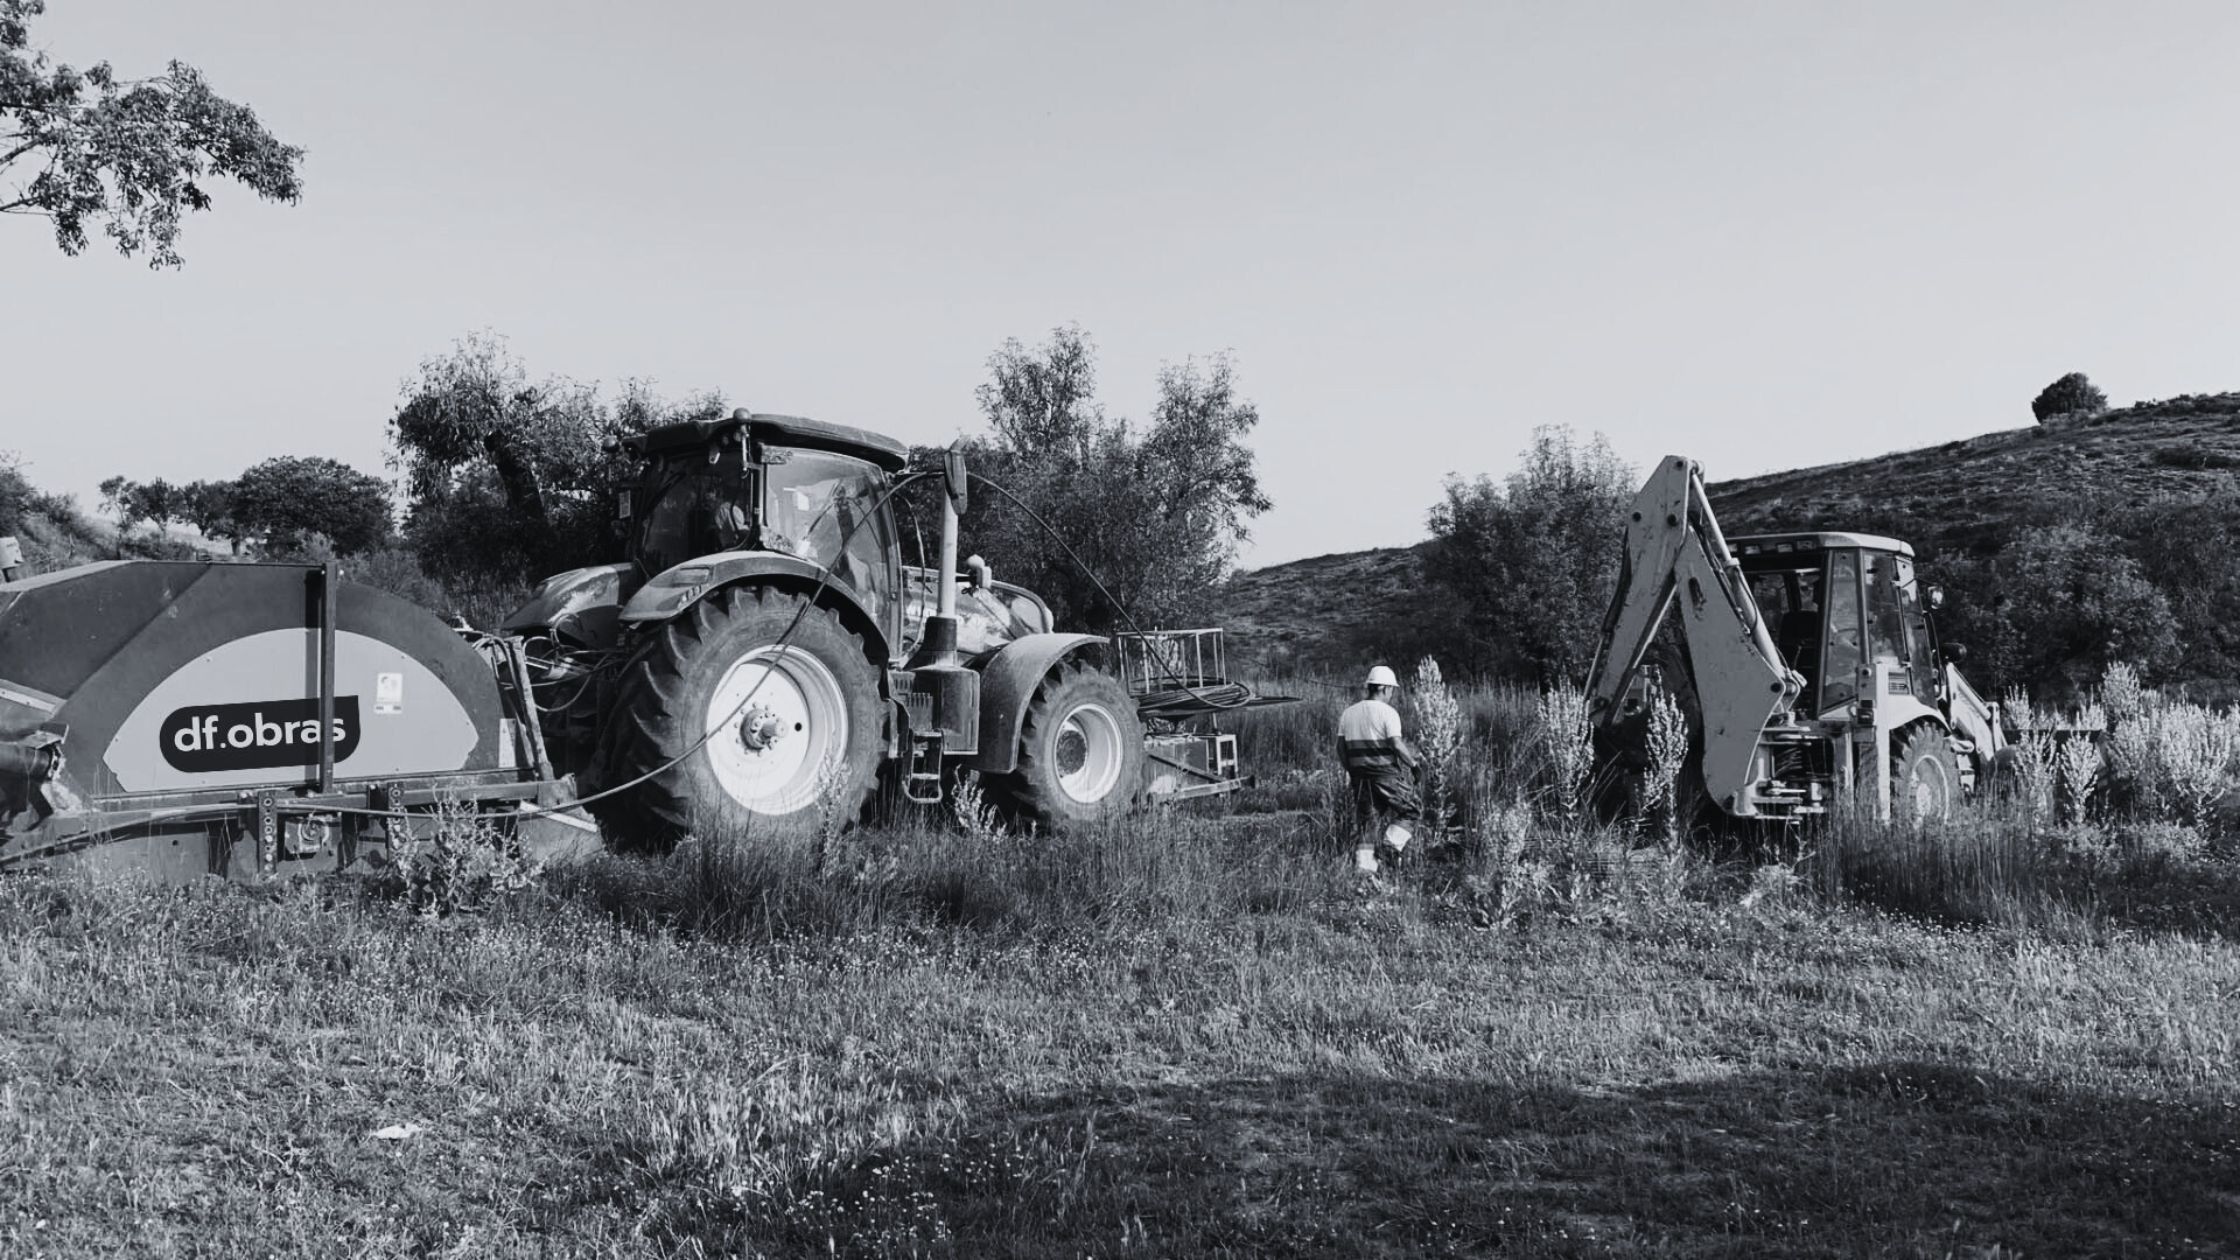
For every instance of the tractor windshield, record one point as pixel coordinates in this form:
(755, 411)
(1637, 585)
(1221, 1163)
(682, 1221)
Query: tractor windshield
(825, 509)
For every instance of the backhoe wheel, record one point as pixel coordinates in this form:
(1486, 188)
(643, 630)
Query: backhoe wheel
(1924, 776)
(1080, 752)
(791, 728)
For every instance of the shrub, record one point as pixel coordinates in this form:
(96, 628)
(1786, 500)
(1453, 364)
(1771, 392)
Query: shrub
(2069, 394)
(1439, 733)
(1566, 744)
(1668, 758)
(459, 862)
(2194, 458)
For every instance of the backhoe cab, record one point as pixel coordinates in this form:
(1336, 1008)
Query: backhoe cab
(1812, 658)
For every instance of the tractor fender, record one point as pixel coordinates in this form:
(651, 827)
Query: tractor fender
(1007, 686)
(674, 590)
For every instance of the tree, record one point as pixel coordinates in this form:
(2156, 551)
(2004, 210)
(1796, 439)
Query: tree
(509, 479)
(116, 497)
(208, 506)
(131, 155)
(1155, 514)
(284, 500)
(2188, 547)
(1531, 563)
(2071, 393)
(2070, 603)
(156, 502)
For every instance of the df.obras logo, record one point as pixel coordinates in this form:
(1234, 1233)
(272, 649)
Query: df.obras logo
(257, 736)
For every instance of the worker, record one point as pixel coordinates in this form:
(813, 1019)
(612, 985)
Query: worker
(1380, 769)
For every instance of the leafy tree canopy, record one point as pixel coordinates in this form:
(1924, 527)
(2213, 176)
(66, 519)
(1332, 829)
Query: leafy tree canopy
(510, 478)
(284, 500)
(1155, 511)
(133, 155)
(2068, 603)
(1531, 562)
(2073, 392)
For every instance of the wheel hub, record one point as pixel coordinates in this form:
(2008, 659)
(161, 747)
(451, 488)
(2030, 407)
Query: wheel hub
(761, 729)
(1073, 750)
(1088, 754)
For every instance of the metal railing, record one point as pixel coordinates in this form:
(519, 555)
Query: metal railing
(1163, 660)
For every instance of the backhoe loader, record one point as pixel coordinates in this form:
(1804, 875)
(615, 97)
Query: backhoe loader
(1812, 659)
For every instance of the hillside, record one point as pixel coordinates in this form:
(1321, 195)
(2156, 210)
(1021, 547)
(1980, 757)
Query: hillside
(1296, 613)
(54, 533)
(1959, 495)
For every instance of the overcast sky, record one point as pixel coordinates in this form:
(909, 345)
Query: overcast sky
(1763, 235)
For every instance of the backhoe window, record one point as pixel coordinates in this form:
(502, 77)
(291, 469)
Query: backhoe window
(1920, 654)
(1789, 600)
(1840, 659)
(815, 501)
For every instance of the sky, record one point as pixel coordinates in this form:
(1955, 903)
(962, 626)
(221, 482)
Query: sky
(1762, 235)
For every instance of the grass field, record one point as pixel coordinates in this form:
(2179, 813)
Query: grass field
(1197, 1037)
(1182, 1035)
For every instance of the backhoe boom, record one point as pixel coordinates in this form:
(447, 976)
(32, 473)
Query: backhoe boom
(1675, 552)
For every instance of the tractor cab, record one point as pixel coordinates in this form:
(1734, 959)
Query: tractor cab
(749, 482)
(1838, 604)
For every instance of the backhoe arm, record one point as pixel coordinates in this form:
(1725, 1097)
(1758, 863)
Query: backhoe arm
(1674, 549)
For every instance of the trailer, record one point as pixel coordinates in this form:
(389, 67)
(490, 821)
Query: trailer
(193, 718)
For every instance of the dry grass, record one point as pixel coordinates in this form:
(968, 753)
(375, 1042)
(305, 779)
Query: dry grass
(1122, 1056)
(1185, 1035)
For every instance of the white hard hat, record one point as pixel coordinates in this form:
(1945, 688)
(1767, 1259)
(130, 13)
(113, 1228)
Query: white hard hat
(1382, 676)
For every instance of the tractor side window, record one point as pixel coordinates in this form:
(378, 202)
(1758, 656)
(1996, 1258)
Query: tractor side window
(1887, 617)
(697, 513)
(1840, 660)
(821, 509)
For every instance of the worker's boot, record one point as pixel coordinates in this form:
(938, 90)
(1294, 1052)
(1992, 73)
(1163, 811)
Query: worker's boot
(1396, 839)
(1365, 860)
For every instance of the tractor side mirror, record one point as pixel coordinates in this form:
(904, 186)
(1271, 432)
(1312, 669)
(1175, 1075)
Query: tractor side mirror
(1934, 596)
(1957, 652)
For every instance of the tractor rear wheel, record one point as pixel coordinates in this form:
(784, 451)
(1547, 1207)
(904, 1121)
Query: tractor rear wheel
(1080, 752)
(742, 728)
(1924, 775)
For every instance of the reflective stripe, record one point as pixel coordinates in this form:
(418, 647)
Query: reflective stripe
(1360, 754)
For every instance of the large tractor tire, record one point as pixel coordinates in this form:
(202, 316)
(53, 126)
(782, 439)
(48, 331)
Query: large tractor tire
(1924, 775)
(1080, 752)
(768, 739)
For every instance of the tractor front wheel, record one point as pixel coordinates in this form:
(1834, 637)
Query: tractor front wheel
(749, 714)
(1924, 776)
(1080, 752)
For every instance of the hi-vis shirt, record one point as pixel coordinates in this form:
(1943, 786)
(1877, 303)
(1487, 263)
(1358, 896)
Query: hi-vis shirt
(1369, 736)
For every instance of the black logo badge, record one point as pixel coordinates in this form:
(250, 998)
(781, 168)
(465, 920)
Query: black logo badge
(264, 736)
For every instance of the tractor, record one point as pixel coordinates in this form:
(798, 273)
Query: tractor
(762, 657)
